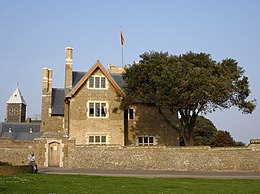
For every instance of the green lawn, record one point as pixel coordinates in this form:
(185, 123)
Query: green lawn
(48, 183)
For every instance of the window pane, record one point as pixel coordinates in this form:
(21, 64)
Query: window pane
(103, 110)
(131, 113)
(91, 109)
(103, 139)
(91, 82)
(97, 82)
(97, 139)
(145, 139)
(150, 140)
(103, 82)
(97, 109)
(91, 139)
(140, 140)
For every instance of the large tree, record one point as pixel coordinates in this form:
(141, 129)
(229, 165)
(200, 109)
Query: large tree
(189, 84)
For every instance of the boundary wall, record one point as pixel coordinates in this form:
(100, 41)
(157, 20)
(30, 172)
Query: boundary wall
(245, 159)
(11, 170)
(16, 152)
(231, 159)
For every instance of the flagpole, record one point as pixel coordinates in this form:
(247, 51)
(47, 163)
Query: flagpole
(122, 55)
(122, 46)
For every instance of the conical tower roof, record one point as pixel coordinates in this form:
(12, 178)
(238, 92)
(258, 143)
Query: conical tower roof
(16, 98)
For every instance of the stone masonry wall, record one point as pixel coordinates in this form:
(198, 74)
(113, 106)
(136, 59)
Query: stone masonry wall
(17, 152)
(245, 159)
(82, 126)
(148, 122)
(164, 158)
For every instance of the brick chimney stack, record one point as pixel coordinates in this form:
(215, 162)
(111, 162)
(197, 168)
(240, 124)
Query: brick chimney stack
(68, 68)
(46, 96)
(46, 81)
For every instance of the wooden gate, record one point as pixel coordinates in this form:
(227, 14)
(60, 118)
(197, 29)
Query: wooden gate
(54, 154)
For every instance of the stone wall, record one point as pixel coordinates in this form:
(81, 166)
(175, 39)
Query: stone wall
(17, 152)
(245, 159)
(11, 170)
(164, 158)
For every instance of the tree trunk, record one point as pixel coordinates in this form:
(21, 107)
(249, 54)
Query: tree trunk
(188, 141)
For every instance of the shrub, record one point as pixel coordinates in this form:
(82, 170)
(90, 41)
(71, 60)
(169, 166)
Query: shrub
(5, 164)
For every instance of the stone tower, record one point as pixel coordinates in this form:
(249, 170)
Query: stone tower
(16, 107)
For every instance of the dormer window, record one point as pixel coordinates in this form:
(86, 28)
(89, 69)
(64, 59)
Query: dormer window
(97, 82)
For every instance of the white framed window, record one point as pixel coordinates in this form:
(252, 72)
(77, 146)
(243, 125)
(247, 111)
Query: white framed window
(145, 140)
(97, 82)
(97, 109)
(131, 114)
(97, 139)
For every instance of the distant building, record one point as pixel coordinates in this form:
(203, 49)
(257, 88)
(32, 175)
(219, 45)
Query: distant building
(16, 107)
(15, 126)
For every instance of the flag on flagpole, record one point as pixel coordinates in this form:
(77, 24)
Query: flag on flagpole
(122, 38)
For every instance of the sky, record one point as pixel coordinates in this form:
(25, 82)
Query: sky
(34, 34)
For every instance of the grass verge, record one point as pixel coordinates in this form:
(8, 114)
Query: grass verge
(55, 184)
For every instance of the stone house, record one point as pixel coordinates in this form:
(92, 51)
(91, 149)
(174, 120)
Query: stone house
(81, 129)
(83, 110)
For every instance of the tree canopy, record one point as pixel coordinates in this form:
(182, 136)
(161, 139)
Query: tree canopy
(189, 84)
(204, 131)
(222, 139)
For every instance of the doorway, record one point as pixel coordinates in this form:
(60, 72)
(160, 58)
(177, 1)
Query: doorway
(54, 154)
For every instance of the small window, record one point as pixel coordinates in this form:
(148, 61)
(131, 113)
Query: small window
(97, 139)
(97, 109)
(97, 82)
(145, 141)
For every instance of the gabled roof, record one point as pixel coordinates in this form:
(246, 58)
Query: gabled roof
(96, 66)
(16, 97)
(76, 77)
(119, 80)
